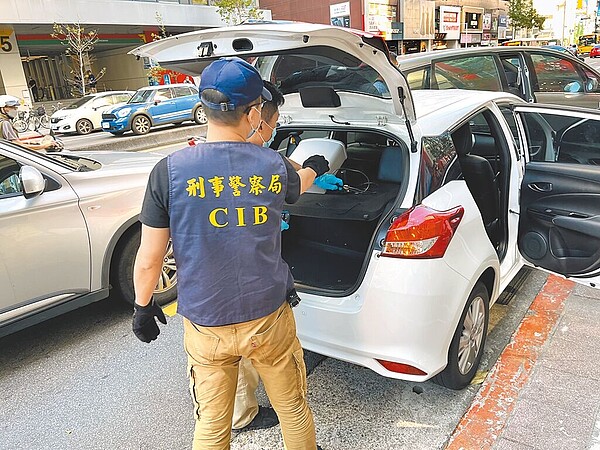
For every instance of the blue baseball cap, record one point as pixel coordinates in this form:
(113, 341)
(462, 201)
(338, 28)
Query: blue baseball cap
(233, 77)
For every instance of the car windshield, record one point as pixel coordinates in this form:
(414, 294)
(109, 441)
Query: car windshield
(141, 96)
(82, 101)
(321, 67)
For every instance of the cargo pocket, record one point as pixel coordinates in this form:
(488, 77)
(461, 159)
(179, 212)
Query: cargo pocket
(199, 346)
(300, 371)
(276, 339)
(192, 376)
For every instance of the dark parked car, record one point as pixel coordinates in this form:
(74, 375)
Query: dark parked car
(534, 74)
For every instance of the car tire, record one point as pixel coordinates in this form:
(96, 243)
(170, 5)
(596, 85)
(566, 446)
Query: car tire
(200, 116)
(122, 272)
(141, 124)
(84, 126)
(468, 342)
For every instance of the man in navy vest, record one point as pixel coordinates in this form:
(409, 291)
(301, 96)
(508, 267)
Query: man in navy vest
(221, 203)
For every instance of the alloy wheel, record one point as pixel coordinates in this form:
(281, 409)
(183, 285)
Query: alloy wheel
(84, 126)
(472, 335)
(168, 274)
(141, 125)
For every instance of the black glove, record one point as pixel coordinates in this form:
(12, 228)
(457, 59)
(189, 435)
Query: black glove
(145, 327)
(318, 163)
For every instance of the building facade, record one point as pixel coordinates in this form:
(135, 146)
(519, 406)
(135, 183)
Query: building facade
(409, 26)
(28, 51)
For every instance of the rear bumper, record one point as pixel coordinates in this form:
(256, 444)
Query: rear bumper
(406, 312)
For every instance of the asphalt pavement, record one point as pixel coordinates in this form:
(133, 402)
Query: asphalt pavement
(83, 381)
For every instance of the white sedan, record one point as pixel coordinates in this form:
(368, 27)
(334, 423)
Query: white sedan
(84, 115)
(447, 193)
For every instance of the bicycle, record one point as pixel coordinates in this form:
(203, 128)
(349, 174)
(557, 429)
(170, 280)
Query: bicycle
(32, 120)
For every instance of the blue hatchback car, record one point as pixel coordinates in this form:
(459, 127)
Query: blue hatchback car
(155, 105)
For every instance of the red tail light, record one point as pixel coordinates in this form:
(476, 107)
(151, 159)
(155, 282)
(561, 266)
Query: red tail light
(422, 232)
(400, 368)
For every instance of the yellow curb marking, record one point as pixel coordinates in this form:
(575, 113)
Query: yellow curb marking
(171, 309)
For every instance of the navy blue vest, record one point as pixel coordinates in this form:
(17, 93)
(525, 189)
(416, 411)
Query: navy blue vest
(225, 203)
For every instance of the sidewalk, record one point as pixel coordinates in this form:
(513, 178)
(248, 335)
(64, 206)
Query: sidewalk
(544, 390)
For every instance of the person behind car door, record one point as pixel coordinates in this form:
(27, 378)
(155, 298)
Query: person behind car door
(221, 203)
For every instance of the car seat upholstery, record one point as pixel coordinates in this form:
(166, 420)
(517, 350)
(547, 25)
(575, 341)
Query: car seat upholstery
(512, 81)
(390, 165)
(480, 179)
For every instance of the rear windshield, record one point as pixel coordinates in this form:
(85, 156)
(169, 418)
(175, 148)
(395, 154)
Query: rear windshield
(322, 67)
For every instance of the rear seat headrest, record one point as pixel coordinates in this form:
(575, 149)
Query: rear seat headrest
(361, 138)
(390, 165)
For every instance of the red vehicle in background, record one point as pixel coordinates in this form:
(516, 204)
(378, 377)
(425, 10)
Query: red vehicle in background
(165, 76)
(595, 51)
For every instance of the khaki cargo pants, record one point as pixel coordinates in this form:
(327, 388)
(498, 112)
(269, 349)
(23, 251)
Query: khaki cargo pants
(272, 346)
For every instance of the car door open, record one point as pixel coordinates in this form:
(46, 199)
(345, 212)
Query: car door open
(559, 227)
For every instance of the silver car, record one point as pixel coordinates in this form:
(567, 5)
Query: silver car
(535, 74)
(69, 231)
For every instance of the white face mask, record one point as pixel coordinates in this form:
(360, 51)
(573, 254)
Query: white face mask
(253, 130)
(12, 113)
(273, 133)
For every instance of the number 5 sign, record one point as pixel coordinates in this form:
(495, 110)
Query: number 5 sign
(6, 46)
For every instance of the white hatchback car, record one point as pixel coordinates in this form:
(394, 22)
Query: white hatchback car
(447, 192)
(84, 115)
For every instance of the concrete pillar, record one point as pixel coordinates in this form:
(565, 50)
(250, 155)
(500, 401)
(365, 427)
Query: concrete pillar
(12, 77)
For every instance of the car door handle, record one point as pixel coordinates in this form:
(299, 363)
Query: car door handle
(540, 187)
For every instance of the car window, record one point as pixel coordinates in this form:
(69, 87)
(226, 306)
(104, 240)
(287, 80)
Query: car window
(513, 73)
(555, 74)
(82, 101)
(321, 67)
(509, 116)
(418, 78)
(141, 96)
(163, 94)
(10, 184)
(182, 91)
(563, 138)
(472, 72)
(99, 102)
(119, 98)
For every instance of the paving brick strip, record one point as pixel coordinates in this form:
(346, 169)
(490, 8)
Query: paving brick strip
(485, 420)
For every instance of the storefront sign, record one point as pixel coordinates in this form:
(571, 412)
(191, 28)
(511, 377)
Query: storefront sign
(472, 21)
(340, 14)
(502, 21)
(487, 21)
(380, 15)
(397, 31)
(450, 22)
(470, 38)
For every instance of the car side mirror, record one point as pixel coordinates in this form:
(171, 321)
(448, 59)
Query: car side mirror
(591, 84)
(156, 102)
(32, 180)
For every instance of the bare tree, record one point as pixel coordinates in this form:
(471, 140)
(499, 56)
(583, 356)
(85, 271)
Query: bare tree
(79, 44)
(234, 12)
(155, 71)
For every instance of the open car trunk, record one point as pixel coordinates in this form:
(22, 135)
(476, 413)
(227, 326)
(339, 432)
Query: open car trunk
(332, 234)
